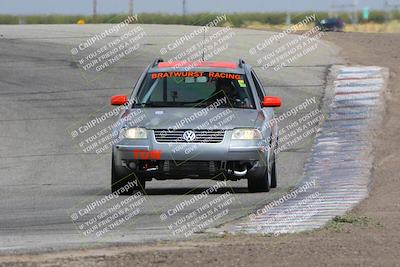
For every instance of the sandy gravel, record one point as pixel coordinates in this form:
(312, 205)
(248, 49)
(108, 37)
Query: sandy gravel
(370, 235)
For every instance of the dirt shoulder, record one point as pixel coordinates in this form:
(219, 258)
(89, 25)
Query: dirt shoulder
(369, 235)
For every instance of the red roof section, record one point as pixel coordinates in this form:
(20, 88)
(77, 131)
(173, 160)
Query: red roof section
(207, 64)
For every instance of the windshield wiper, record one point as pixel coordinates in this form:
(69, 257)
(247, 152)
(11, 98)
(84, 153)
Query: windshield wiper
(150, 104)
(194, 104)
(158, 105)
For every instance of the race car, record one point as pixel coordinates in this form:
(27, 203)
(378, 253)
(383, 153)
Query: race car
(196, 120)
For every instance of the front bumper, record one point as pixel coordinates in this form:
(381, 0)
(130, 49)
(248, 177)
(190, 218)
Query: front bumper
(186, 159)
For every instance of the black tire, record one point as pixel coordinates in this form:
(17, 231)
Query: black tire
(258, 183)
(121, 178)
(274, 180)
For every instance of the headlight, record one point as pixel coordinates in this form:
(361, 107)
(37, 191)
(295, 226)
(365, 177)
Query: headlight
(134, 133)
(246, 134)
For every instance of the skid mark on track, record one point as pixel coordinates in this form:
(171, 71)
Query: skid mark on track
(340, 162)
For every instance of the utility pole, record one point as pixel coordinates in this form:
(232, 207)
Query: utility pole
(288, 15)
(94, 10)
(288, 18)
(387, 10)
(184, 9)
(130, 12)
(355, 15)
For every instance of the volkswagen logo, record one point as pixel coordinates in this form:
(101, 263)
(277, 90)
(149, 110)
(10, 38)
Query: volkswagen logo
(189, 136)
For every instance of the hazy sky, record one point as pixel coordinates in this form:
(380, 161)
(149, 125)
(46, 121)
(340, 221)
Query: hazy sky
(172, 6)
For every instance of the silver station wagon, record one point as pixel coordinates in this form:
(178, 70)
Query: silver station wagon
(196, 120)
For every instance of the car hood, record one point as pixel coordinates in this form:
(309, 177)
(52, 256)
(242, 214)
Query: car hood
(195, 118)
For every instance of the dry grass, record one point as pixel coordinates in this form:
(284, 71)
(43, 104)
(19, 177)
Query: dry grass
(371, 27)
(391, 27)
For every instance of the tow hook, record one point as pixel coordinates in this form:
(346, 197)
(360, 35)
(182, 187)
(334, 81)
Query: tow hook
(238, 173)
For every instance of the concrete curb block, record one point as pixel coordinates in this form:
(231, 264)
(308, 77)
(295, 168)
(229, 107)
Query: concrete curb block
(337, 174)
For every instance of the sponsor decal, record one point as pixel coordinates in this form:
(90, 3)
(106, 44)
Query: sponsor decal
(147, 155)
(194, 74)
(225, 75)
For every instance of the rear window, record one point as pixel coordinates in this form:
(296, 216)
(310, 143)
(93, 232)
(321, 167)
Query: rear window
(194, 89)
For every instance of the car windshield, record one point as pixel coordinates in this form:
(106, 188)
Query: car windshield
(195, 89)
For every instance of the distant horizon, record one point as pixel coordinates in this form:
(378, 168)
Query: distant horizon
(177, 14)
(174, 7)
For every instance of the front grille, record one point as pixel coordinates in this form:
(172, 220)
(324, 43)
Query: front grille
(202, 136)
(189, 166)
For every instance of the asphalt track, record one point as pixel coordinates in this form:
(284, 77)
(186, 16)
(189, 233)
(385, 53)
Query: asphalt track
(45, 177)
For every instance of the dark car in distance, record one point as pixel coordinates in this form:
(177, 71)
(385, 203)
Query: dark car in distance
(331, 24)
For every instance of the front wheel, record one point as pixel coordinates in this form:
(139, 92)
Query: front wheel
(125, 182)
(259, 183)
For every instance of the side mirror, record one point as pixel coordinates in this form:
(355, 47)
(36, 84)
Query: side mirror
(119, 100)
(271, 101)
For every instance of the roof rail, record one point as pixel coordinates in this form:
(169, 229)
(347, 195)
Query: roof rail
(241, 63)
(158, 60)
